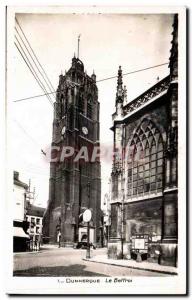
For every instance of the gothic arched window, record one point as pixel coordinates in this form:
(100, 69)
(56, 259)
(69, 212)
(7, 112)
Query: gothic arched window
(63, 105)
(89, 107)
(81, 101)
(145, 161)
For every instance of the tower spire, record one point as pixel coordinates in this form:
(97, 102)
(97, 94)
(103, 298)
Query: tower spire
(119, 93)
(78, 46)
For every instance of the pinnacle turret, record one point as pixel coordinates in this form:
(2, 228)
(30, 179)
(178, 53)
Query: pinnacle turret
(125, 95)
(173, 60)
(119, 95)
(93, 76)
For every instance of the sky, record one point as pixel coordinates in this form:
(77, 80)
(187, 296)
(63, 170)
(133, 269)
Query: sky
(134, 41)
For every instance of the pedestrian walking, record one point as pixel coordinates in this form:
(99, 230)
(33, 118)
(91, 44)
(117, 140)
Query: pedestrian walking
(59, 239)
(36, 244)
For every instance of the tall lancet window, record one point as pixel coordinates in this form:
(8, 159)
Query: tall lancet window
(145, 161)
(89, 107)
(81, 101)
(62, 105)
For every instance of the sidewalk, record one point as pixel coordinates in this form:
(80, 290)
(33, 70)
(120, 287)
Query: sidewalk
(43, 248)
(147, 266)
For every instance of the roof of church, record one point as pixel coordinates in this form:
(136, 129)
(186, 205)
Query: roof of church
(155, 90)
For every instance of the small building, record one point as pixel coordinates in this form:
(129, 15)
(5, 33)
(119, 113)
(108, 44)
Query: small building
(20, 225)
(34, 216)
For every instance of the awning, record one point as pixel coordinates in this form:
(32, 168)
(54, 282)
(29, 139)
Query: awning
(19, 232)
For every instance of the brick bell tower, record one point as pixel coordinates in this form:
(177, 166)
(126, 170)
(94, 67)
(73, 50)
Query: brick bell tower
(74, 183)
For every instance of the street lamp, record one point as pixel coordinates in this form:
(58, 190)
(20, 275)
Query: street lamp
(87, 215)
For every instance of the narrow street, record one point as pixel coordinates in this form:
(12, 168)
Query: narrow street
(55, 262)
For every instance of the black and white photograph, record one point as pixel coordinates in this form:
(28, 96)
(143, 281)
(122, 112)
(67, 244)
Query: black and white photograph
(96, 150)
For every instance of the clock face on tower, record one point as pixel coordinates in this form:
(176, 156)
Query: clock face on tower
(85, 130)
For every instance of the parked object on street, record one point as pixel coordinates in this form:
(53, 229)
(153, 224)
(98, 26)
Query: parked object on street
(83, 245)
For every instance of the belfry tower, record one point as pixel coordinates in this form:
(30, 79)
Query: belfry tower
(74, 184)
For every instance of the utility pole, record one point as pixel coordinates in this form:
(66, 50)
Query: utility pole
(88, 228)
(122, 225)
(106, 219)
(109, 209)
(30, 195)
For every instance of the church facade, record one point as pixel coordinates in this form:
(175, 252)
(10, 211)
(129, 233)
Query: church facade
(75, 183)
(144, 172)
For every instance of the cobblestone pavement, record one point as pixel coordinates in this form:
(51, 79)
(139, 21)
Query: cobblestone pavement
(52, 261)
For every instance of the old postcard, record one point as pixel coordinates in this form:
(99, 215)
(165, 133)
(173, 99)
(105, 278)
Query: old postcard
(96, 150)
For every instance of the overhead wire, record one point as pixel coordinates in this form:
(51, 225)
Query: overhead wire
(47, 93)
(33, 60)
(47, 80)
(132, 72)
(20, 45)
(29, 57)
(29, 65)
(34, 53)
(104, 79)
(29, 136)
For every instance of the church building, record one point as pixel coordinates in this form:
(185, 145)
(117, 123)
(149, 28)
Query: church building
(74, 184)
(144, 172)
